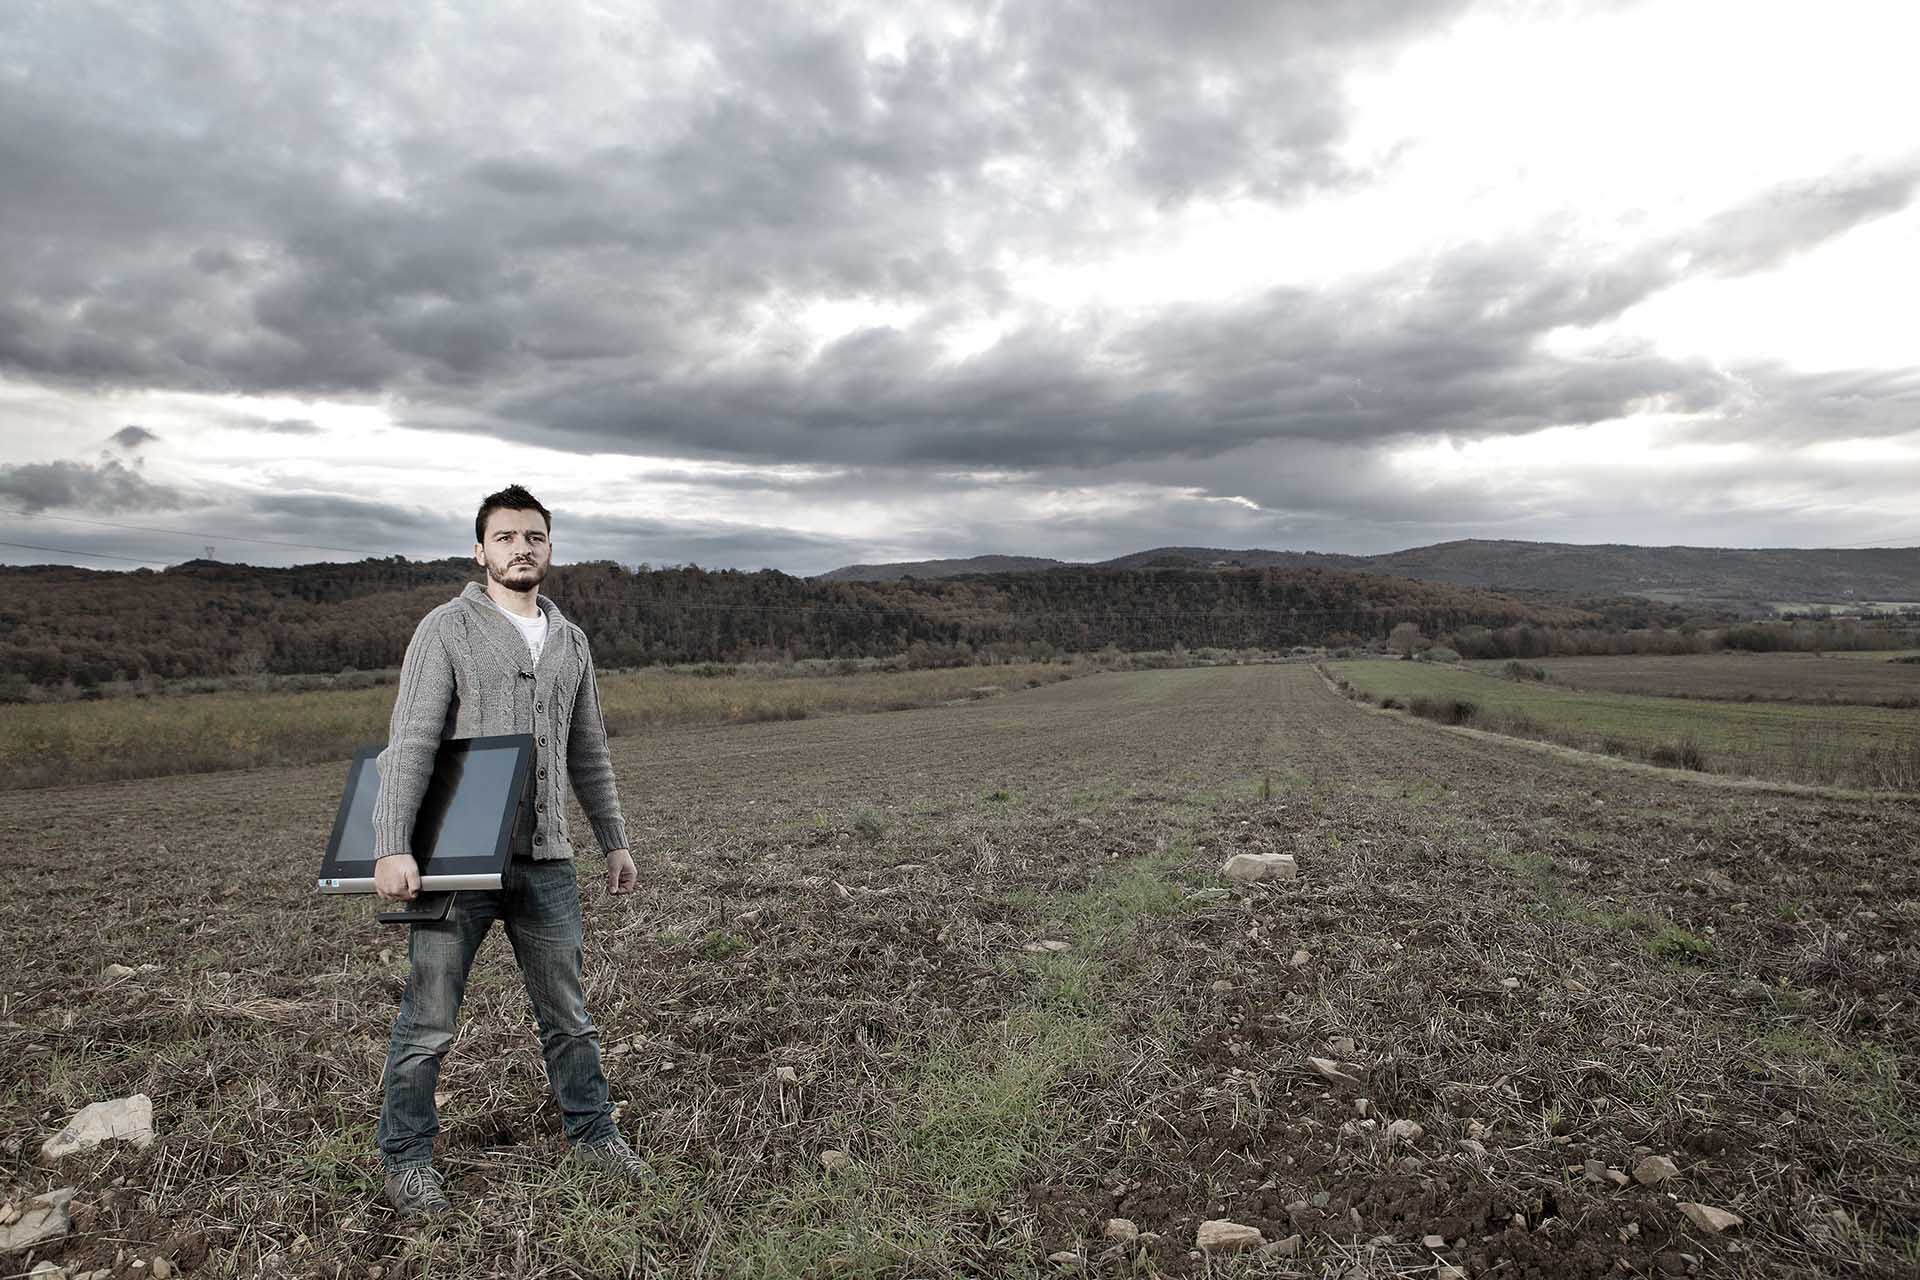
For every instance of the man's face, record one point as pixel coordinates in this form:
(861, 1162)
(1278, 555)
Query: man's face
(516, 551)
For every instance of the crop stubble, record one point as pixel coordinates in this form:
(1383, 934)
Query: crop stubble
(1775, 1059)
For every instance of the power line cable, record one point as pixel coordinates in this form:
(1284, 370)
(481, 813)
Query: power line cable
(193, 533)
(87, 555)
(1888, 542)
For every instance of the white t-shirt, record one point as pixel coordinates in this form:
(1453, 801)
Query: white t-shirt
(533, 630)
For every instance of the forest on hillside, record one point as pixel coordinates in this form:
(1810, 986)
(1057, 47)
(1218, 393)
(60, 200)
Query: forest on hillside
(202, 618)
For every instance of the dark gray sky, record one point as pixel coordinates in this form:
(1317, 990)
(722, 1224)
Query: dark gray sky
(798, 286)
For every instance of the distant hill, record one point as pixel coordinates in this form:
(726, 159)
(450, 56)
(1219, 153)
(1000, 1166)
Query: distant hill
(1707, 574)
(936, 568)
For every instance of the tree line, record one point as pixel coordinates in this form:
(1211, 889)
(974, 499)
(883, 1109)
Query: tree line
(204, 618)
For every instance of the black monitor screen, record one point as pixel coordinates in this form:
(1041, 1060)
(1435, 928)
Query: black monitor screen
(474, 785)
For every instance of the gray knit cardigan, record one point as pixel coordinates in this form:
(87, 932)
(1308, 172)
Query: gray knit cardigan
(468, 673)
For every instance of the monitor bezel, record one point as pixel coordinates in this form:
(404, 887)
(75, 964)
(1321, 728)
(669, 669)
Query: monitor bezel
(440, 870)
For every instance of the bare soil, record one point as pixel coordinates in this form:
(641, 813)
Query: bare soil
(1538, 962)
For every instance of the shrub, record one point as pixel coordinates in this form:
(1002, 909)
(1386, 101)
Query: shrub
(1517, 670)
(1682, 754)
(869, 825)
(1444, 710)
(1440, 653)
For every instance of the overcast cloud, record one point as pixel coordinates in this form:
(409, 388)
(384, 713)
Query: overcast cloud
(770, 284)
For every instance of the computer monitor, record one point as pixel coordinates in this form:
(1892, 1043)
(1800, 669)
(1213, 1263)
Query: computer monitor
(462, 836)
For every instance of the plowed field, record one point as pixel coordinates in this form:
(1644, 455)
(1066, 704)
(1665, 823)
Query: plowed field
(1552, 966)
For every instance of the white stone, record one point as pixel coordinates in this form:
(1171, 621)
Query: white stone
(45, 1219)
(786, 1075)
(125, 1119)
(1064, 1258)
(1434, 1242)
(1406, 1130)
(1048, 945)
(1250, 867)
(1120, 1229)
(1654, 1170)
(1220, 1235)
(835, 1159)
(1300, 958)
(115, 972)
(1333, 1071)
(1708, 1218)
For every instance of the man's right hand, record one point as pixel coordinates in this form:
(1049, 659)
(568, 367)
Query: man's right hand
(396, 877)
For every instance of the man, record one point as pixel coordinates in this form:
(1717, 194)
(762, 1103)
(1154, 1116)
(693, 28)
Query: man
(499, 660)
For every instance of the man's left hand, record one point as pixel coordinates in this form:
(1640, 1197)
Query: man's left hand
(621, 873)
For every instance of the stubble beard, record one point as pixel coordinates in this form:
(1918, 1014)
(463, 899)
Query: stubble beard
(518, 577)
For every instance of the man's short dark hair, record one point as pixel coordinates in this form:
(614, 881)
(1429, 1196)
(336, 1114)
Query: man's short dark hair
(511, 498)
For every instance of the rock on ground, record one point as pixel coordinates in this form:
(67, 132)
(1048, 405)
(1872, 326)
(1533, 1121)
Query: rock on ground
(45, 1219)
(1289, 1247)
(1249, 867)
(127, 1119)
(1654, 1170)
(1333, 1071)
(1120, 1229)
(1708, 1218)
(1222, 1236)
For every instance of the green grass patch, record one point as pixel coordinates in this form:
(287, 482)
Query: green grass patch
(1846, 745)
(719, 944)
(1672, 942)
(973, 1117)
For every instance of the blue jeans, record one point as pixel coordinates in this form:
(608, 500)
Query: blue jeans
(539, 903)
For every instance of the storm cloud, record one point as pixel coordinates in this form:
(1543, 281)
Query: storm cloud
(102, 486)
(831, 242)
